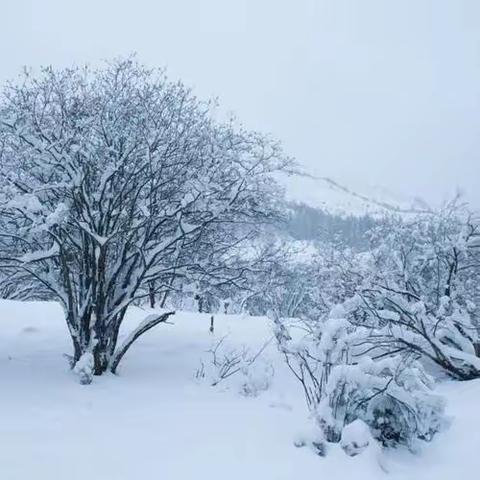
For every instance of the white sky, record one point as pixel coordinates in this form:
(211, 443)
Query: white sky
(370, 92)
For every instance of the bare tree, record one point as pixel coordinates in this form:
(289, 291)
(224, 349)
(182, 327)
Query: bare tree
(116, 182)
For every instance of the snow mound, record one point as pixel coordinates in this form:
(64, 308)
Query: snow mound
(356, 437)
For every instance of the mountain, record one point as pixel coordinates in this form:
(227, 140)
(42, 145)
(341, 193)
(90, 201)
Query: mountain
(329, 195)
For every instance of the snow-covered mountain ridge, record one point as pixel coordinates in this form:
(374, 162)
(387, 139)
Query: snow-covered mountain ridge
(330, 195)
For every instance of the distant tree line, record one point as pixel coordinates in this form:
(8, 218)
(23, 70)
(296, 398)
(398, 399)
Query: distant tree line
(314, 224)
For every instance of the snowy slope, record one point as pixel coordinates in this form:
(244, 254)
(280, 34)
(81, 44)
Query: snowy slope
(156, 421)
(332, 196)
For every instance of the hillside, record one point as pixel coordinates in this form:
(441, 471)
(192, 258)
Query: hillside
(336, 198)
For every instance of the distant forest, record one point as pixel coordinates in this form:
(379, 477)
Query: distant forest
(309, 223)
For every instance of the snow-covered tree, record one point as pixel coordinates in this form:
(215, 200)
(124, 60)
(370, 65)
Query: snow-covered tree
(302, 279)
(115, 184)
(422, 289)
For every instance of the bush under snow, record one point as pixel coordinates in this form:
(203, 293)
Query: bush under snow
(395, 400)
(236, 366)
(342, 382)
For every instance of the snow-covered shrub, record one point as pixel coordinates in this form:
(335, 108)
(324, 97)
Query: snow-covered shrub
(345, 380)
(256, 378)
(246, 371)
(393, 398)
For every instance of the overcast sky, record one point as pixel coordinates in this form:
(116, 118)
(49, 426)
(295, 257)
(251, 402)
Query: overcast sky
(369, 92)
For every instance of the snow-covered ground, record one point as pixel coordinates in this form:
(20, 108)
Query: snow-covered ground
(155, 420)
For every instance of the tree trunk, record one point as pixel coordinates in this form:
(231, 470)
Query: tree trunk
(77, 352)
(164, 299)
(98, 342)
(151, 293)
(100, 358)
